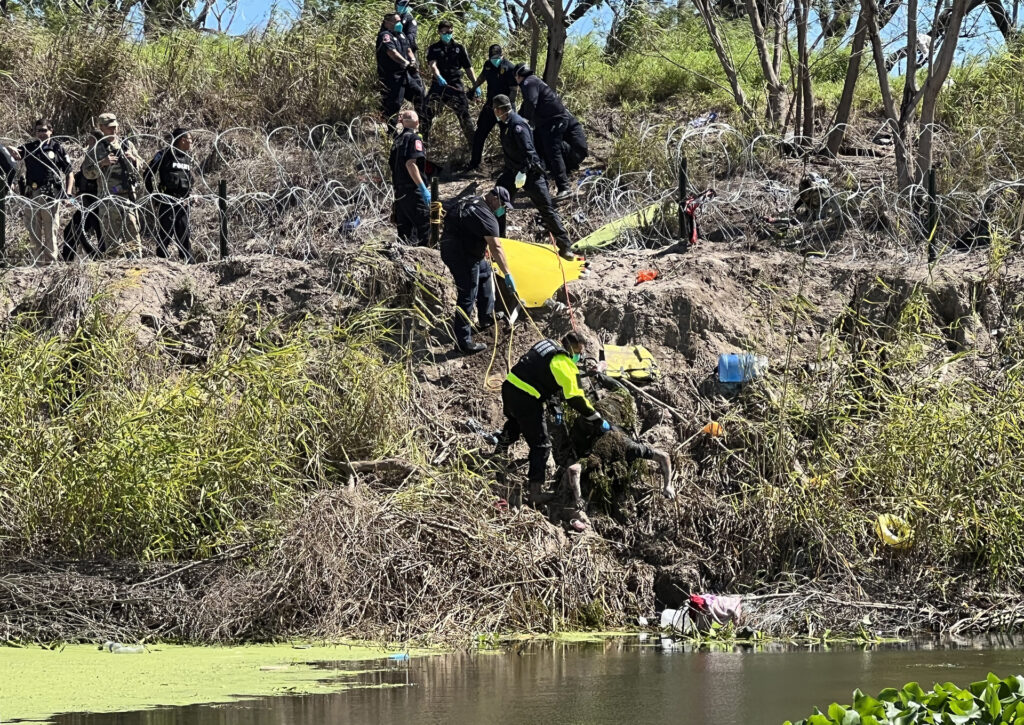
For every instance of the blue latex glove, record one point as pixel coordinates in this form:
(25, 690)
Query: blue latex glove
(605, 426)
(442, 81)
(510, 283)
(479, 92)
(425, 193)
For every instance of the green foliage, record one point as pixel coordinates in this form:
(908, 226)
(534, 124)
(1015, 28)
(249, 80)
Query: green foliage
(888, 420)
(989, 702)
(110, 449)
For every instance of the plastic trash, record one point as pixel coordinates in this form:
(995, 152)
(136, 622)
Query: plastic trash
(588, 173)
(701, 121)
(894, 531)
(520, 180)
(399, 657)
(713, 429)
(351, 224)
(646, 275)
(739, 368)
(121, 649)
(474, 426)
(642, 621)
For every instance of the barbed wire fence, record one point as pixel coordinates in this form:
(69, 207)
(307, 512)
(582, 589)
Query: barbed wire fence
(301, 192)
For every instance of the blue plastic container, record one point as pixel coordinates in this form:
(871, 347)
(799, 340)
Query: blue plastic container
(739, 368)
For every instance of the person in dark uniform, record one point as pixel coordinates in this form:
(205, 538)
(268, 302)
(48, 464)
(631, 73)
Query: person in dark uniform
(172, 171)
(523, 169)
(409, 26)
(396, 69)
(447, 59)
(48, 179)
(501, 81)
(84, 221)
(560, 138)
(470, 231)
(546, 372)
(412, 197)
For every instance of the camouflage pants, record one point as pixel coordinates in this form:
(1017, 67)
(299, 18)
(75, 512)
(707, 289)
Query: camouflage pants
(119, 222)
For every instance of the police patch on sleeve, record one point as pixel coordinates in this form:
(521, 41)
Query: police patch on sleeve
(419, 145)
(387, 38)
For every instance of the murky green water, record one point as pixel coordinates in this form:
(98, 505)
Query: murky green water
(617, 681)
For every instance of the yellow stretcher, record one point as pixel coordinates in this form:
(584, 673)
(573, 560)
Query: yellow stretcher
(636, 363)
(607, 234)
(538, 270)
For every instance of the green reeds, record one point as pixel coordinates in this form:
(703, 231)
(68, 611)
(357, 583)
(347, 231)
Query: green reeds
(111, 448)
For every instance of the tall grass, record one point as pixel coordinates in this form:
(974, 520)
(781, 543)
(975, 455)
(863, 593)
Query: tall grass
(888, 420)
(108, 448)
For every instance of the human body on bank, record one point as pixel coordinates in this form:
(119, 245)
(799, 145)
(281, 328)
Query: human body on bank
(545, 373)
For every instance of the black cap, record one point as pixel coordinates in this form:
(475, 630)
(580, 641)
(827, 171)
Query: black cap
(494, 51)
(523, 70)
(501, 101)
(503, 196)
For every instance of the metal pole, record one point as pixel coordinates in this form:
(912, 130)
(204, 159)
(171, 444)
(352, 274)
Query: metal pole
(933, 215)
(684, 185)
(435, 217)
(222, 204)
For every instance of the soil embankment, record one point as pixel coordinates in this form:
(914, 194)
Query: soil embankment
(782, 506)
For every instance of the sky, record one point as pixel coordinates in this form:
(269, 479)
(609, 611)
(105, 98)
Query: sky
(255, 13)
(982, 34)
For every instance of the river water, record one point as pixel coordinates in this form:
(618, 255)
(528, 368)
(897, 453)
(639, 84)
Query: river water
(620, 680)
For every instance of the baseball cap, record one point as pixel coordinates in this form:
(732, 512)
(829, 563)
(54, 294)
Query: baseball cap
(503, 196)
(107, 119)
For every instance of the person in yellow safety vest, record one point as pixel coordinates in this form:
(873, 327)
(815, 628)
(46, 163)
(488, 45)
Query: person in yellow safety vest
(544, 372)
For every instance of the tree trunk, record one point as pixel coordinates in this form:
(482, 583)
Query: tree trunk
(706, 14)
(1002, 20)
(534, 34)
(878, 52)
(557, 37)
(803, 9)
(835, 136)
(771, 78)
(937, 75)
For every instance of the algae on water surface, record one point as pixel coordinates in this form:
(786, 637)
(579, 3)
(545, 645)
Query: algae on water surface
(39, 683)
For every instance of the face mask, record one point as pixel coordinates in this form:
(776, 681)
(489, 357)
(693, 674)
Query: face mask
(575, 357)
(398, 27)
(401, 9)
(446, 37)
(499, 212)
(496, 62)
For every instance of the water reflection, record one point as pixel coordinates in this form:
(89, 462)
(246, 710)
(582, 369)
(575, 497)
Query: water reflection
(621, 680)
